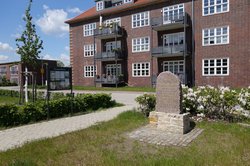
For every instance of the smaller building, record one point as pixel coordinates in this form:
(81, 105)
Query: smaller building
(12, 71)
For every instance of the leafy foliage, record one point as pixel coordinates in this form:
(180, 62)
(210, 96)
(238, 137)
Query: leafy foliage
(11, 115)
(29, 44)
(147, 103)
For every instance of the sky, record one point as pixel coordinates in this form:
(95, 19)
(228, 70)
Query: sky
(48, 16)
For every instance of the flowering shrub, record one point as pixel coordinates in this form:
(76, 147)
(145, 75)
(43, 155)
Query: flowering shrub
(209, 102)
(147, 103)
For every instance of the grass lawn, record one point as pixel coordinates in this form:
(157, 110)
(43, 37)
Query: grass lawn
(107, 144)
(9, 100)
(126, 88)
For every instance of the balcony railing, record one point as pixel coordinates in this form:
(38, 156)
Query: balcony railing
(169, 22)
(109, 79)
(168, 50)
(111, 55)
(108, 32)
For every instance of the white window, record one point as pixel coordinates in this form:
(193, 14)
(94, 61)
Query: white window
(89, 50)
(141, 69)
(3, 70)
(174, 39)
(127, 1)
(111, 69)
(215, 6)
(215, 67)
(89, 71)
(14, 70)
(176, 67)
(214, 36)
(173, 13)
(140, 19)
(140, 44)
(88, 29)
(113, 20)
(99, 5)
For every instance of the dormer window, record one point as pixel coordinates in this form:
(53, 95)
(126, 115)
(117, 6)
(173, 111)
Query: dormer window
(127, 1)
(99, 5)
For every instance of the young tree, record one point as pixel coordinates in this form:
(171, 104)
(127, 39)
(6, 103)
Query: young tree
(29, 46)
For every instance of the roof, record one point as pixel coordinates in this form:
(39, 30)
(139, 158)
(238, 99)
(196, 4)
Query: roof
(92, 13)
(17, 62)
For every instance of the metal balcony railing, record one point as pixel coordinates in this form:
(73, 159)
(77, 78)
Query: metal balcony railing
(167, 50)
(110, 30)
(109, 79)
(169, 20)
(115, 54)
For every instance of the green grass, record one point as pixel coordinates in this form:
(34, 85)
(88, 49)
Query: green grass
(126, 88)
(107, 144)
(9, 100)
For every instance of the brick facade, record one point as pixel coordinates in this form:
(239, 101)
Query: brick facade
(237, 50)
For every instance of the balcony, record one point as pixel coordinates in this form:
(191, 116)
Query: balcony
(169, 22)
(168, 51)
(110, 56)
(110, 79)
(109, 32)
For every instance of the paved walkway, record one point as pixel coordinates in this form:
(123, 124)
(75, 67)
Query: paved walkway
(18, 136)
(151, 135)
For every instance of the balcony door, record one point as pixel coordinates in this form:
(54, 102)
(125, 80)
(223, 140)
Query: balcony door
(174, 39)
(175, 67)
(173, 13)
(111, 69)
(110, 46)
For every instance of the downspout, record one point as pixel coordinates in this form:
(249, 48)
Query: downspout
(193, 45)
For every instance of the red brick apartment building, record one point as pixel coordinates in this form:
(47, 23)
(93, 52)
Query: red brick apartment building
(12, 70)
(204, 42)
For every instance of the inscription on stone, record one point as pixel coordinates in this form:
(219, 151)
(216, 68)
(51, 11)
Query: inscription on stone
(168, 93)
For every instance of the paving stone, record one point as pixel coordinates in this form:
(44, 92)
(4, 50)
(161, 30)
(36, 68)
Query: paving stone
(163, 138)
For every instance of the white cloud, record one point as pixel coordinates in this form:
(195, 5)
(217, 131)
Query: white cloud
(5, 47)
(16, 35)
(65, 59)
(75, 10)
(45, 7)
(52, 21)
(66, 48)
(3, 57)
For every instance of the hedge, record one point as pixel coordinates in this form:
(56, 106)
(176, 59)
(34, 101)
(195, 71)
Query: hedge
(12, 115)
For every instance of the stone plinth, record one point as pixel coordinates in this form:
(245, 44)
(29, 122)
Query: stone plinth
(170, 122)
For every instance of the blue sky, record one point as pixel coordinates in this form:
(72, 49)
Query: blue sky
(48, 16)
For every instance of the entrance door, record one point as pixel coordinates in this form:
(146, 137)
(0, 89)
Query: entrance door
(176, 67)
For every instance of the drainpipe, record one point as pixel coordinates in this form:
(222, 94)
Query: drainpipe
(193, 45)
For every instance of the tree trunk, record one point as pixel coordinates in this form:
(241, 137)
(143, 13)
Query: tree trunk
(26, 85)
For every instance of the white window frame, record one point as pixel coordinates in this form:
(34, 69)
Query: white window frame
(140, 69)
(141, 44)
(178, 63)
(215, 67)
(113, 66)
(173, 36)
(3, 70)
(215, 5)
(171, 9)
(15, 69)
(140, 17)
(216, 36)
(113, 20)
(88, 29)
(99, 5)
(89, 50)
(90, 71)
(127, 1)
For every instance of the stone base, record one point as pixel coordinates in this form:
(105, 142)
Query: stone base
(170, 122)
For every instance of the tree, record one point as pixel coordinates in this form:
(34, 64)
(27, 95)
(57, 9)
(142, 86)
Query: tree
(29, 45)
(60, 64)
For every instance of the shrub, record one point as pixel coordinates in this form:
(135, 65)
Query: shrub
(214, 103)
(9, 115)
(147, 103)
